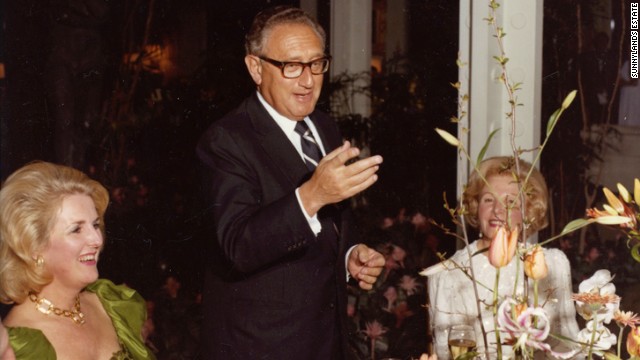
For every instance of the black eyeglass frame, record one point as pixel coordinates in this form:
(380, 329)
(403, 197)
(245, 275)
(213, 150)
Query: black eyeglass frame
(282, 64)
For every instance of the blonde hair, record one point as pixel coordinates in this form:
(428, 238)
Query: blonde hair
(30, 200)
(537, 195)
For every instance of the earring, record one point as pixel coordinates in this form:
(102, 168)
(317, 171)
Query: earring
(40, 261)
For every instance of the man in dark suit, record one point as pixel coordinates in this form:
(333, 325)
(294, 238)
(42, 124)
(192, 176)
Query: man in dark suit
(284, 244)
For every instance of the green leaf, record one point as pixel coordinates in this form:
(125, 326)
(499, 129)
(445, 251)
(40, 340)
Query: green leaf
(552, 121)
(486, 146)
(635, 252)
(575, 225)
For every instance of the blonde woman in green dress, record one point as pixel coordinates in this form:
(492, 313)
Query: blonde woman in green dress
(51, 236)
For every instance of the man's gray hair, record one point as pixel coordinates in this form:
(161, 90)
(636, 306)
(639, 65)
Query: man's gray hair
(267, 19)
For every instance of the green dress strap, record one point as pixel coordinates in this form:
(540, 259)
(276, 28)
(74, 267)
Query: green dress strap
(30, 344)
(125, 307)
(128, 313)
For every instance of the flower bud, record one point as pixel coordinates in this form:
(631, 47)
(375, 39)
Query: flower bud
(569, 99)
(613, 220)
(535, 265)
(624, 193)
(613, 200)
(503, 247)
(611, 211)
(448, 137)
(636, 191)
(633, 342)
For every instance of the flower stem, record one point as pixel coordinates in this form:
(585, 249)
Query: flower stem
(593, 336)
(535, 301)
(495, 314)
(373, 349)
(474, 282)
(620, 339)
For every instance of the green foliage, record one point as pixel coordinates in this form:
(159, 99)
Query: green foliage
(486, 146)
(635, 252)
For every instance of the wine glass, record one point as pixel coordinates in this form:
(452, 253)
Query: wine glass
(462, 339)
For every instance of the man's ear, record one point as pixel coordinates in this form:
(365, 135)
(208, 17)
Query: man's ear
(254, 66)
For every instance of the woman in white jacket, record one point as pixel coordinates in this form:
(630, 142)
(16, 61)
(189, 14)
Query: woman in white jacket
(491, 205)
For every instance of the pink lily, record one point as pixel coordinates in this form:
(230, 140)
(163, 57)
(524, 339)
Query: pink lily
(529, 329)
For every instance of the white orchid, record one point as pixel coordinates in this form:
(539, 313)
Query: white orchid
(603, 339)
(601, 281)
(597, 297)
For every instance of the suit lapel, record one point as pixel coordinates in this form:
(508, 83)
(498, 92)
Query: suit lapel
(275, 143)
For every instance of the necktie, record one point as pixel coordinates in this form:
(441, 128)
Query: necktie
(310, 149)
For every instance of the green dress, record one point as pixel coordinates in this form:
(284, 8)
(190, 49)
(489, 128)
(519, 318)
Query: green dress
(127, 311)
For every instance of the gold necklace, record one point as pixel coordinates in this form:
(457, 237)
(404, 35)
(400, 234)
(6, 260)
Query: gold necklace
(46, 307)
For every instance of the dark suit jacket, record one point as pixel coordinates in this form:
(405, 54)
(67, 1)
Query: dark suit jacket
(273, 289)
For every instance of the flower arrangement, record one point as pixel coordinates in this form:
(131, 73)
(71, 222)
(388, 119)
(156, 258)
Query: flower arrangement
(524, 323)
(521, 320)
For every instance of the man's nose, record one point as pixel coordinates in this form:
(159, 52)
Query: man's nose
(306, 78)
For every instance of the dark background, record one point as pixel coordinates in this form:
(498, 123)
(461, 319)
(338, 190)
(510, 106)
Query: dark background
(140, 131)
(140, 141)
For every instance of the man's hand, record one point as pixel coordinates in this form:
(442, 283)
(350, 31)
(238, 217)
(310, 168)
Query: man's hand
(365, 264)
(334, 181)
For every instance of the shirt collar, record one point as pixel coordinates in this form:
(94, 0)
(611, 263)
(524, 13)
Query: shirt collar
(287, 125)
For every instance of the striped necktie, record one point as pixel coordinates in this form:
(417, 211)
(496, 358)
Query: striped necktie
(310, 149)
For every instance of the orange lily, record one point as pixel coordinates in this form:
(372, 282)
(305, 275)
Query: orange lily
(633, 342)
(503, 247)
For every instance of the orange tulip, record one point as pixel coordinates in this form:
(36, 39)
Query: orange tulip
(633, 342)
(535, 265)
(503, 247)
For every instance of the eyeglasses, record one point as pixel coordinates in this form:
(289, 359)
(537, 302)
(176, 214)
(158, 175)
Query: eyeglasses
(293, 69)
